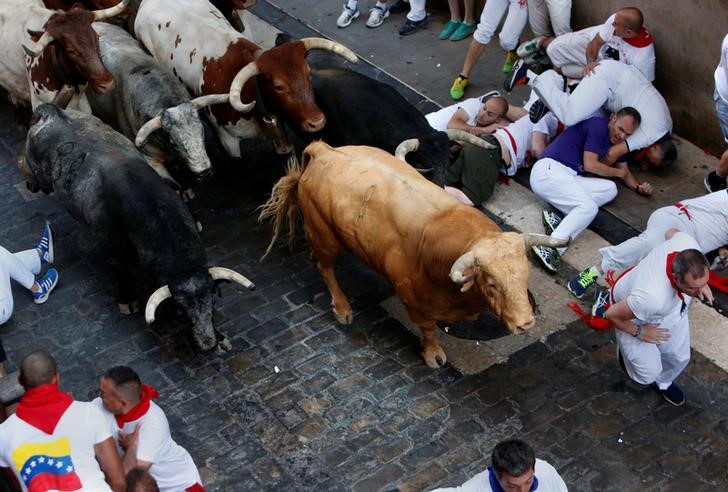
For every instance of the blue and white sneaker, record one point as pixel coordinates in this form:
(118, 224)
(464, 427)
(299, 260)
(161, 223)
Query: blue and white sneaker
(673, 394)
(601, 303)
(46, 284)
(45, 246)
(551, 221)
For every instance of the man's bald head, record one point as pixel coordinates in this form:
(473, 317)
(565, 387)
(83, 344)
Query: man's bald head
(493, 109)
(37, 368)
(632, 18)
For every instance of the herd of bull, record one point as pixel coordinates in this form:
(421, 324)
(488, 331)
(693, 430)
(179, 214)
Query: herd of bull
(117, 172)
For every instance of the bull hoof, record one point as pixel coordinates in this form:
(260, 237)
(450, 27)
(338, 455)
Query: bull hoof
(435, 358)
(223, 346)
(344, 319)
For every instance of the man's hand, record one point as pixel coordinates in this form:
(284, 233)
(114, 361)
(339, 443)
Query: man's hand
(128, 441)
(589, 69)
(644, 188)
(654, 334)
(706, 295)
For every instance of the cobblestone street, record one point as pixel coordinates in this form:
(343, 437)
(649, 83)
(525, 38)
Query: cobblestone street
(303, 403)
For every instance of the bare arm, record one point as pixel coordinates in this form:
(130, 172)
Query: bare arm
(515, 112)
(538, 144)
(459, 121)
(594, 166)
(623, 318)
(592, 49)
(615, 152)
(130, 444)
(110, 462)
(641, 187)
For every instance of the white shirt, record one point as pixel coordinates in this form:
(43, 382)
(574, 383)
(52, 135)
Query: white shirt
(642, 58)
(172, 466)
(721, 73)
(67, 455)
(647, 288)
(548, 481)
(519, 133)
(630, 88)
(439, 119)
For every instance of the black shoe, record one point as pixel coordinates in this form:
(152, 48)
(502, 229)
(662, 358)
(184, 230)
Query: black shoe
(411, 27)
(399, 7)
(713, 182)
(518, 76)
(538, 110)
(673, 394)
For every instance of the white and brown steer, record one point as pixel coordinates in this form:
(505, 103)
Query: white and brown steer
(447, 261)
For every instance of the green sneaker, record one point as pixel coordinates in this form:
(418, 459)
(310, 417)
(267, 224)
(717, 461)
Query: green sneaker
(449, 28)
(457, 91)
(511, 58)
(463, 31)
(581, 283)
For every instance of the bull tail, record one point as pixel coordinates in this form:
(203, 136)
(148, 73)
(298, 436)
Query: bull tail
(283, 203)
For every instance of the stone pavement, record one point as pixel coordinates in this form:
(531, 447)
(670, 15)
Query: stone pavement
(301, 403)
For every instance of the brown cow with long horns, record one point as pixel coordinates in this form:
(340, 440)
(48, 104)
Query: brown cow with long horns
(446, 261)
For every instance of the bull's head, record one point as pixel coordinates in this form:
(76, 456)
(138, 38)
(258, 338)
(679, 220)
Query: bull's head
(183, 127)
(37, 172)
(79, 42)
(285, 80)
(499, 268)
(193, 296)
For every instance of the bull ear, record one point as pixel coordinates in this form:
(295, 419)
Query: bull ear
(35, 35)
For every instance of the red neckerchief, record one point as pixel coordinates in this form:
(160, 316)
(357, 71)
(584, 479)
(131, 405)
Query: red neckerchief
(43, 407)
(718, 282)
(140, 408)
(668, 269)
(644, 38)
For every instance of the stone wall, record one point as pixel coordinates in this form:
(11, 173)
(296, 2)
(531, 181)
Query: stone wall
(687, 41)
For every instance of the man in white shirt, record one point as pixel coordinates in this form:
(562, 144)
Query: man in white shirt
(128, 406)
(53, 442)
(514, 468)
(716, 180)
(477, 115)
(649, 309)
(622, 37)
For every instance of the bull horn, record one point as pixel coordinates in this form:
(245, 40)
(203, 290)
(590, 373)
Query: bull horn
(407, 146)
(542, 240)
(111, 11)
(159, 295)
(146, 130)
(325, 44)
(247, 72)
(38, 46)
(466, 261)
(455, 134)
(220, 273)
(210, 99)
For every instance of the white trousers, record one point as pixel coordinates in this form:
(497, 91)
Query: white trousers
(631, 251)
(588, 97)
(545, 14)
(417, 10)
(21, 267)
(491, 16)
(578, 197)
(568, 52)
(647, 363)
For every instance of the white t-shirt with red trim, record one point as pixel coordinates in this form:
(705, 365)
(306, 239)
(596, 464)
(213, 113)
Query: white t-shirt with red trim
(172, 466)
(64, 460)
(440, 118)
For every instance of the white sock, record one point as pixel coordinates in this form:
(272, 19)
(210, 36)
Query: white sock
(352, 4)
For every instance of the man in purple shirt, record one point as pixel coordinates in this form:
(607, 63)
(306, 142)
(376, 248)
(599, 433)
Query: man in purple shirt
(557, 178)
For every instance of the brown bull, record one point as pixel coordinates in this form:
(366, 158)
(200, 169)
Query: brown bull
(446, 261)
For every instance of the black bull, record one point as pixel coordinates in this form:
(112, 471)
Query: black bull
(105, 183)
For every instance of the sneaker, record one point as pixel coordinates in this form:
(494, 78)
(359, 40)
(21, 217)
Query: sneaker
(489, 95)
(377, 16)
(449, 29)
(713, 182)
(673, 394)
(46, 284)
(457, 91)
(529, 47)
(581, 283)
(519, 76)
(537, 111)
(399, 7)
(601, 303)
(551, 221)
(511, 58)
(411, 27)
(45, 246)
(463, 31)
(347, 15)
(549, 257)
